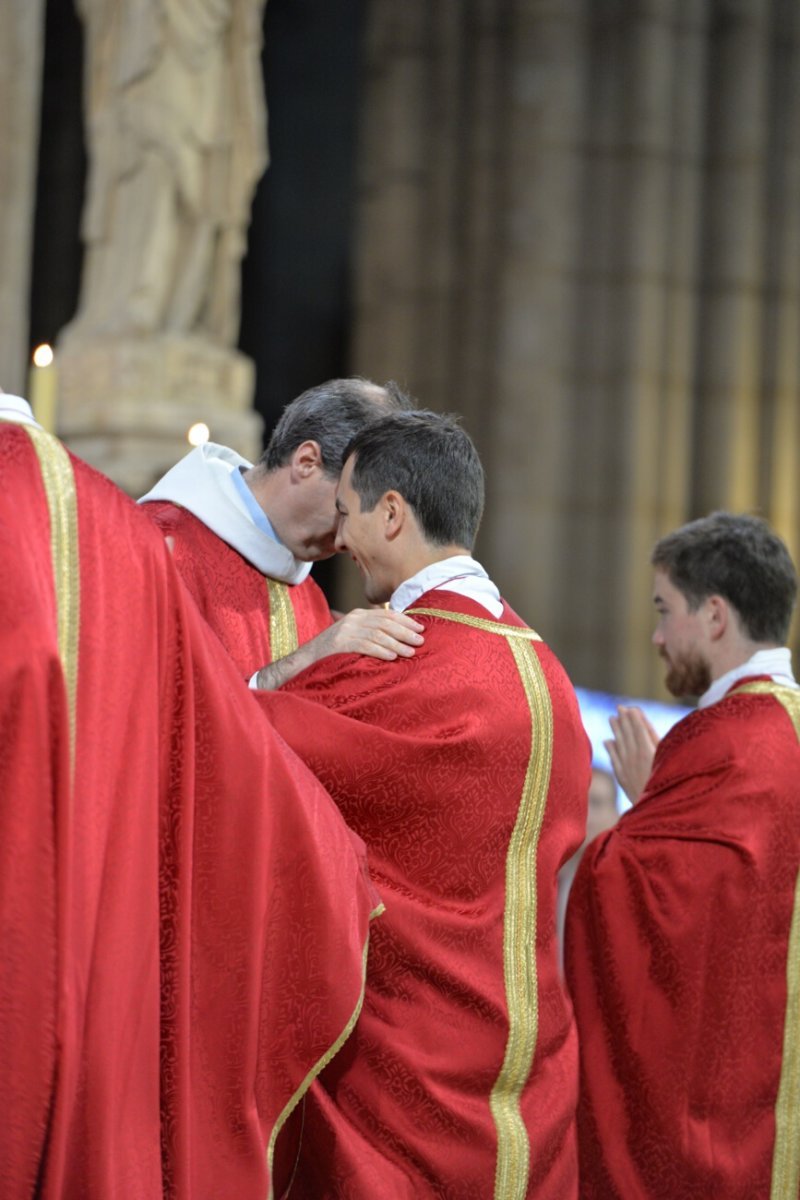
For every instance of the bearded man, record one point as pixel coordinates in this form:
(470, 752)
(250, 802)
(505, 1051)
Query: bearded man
(683, 928)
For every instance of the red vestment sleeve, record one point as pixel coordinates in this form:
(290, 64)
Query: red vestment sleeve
(677, 942)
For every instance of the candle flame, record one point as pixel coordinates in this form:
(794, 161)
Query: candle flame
(43, 355)
(198, 434)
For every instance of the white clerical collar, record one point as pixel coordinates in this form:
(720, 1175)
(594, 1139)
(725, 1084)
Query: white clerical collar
(461, 574)
(775, 662)
(17, 410)
(202, 483)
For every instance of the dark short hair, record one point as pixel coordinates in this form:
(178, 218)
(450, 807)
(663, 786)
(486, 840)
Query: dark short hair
(331, 414)
(739, 558)
(429, 459)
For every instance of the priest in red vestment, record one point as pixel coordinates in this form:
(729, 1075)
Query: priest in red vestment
(465, 769)
(244, 537)
(183, 912)
(683, 927)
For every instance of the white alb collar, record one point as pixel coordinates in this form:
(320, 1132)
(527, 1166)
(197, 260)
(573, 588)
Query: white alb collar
(775, 662)
(16, 410)
(201, 483)
(461, 574)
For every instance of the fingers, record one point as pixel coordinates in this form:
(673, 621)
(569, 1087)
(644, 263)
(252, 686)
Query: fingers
(632, 749)
(616, 761)
(385, 629)
(378, 633)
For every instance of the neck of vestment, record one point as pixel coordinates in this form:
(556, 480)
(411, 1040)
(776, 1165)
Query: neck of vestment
(775, 662)
(460, 574)
(202, 482)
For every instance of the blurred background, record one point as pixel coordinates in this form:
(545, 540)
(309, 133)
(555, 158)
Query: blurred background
(575, 222)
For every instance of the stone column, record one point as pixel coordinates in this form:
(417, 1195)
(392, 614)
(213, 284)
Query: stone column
(528, 406)
(21, 51)
(634, 345)
(580, 229)
(730, 331)
(176, 133)
(779, 493)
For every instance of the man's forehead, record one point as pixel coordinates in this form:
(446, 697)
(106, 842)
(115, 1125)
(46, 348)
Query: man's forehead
(661, 585)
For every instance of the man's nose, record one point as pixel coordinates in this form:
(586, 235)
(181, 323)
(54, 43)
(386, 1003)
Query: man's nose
(338, 540)
(658, 637)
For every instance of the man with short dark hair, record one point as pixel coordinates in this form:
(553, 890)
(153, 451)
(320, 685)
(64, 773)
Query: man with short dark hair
(244, 537)
(465, 770)
(683, 924)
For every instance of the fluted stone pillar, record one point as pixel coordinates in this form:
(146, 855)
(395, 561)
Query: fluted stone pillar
(530, 397)
(779, 493)
(580, 228)
(634, 345)
(21, 52)
(731, 325)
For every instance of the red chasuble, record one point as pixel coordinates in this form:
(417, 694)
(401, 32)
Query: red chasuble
(257, 619)
(683, 957)
(465, 769)
(183, 913)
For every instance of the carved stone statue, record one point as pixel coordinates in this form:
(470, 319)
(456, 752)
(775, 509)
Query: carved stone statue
(176, 127)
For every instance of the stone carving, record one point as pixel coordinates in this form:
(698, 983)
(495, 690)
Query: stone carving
(176, 127)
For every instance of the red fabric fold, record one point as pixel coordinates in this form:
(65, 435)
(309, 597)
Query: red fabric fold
(184, 923)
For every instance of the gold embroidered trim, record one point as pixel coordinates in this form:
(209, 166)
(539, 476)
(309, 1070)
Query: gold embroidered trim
(788, 697)
(507, 631)
(319, 1066)
(519, 938)
(282, 623)
(519, 922)
(59, 486)
(786, 1154)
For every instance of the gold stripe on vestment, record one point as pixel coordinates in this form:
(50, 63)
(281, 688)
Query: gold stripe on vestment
(506, 631)
(329, 1054)
(786, 1154)
(282, 623)
(519, 922)
(59, 485)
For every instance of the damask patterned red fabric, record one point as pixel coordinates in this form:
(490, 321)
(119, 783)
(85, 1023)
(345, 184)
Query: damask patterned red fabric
(677, 941)
(230, 593)
(183, 923)
(427, 759)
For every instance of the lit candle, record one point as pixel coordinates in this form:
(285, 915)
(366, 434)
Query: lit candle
(198, 434)
(43, 387)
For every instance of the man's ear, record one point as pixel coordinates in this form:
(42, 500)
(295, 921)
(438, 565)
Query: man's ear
(395, 513)
(305, 459)
(718, 615)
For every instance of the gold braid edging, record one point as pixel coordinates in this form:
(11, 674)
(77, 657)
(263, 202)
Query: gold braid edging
(321, 1064)
(59, 485)
(512, 1170)
(282, 623)
(506, 631)
(786, 1154)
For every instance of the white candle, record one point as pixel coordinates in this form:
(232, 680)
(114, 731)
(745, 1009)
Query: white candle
(43, 387)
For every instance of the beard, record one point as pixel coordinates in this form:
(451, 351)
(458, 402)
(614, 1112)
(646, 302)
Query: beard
(687, 674)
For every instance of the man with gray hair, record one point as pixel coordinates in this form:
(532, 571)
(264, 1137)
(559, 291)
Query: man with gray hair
(244, 537)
